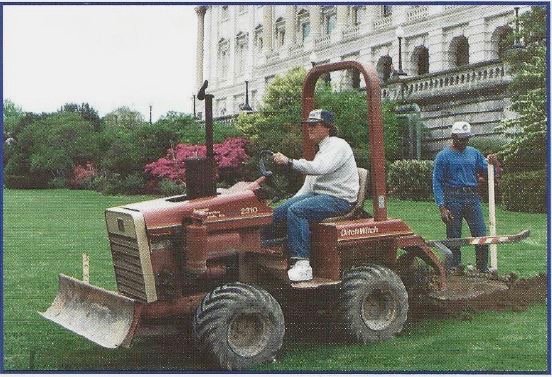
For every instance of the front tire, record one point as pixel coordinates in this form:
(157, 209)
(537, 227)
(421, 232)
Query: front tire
(239, 326)
(373, 303)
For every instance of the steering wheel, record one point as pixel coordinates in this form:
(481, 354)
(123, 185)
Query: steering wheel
(265, 154)
(274, 179)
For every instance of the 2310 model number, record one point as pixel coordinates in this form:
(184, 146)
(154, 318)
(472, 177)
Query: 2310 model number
(248, 210)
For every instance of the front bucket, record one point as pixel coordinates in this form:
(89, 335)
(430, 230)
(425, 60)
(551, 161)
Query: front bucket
(104, 317)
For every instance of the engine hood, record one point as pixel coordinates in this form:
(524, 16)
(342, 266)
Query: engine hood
(237, 203)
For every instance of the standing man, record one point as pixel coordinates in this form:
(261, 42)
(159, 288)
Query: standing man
(330, 189)
(455, 191)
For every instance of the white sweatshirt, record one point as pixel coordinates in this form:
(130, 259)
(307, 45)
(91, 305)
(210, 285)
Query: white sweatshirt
(333, 170)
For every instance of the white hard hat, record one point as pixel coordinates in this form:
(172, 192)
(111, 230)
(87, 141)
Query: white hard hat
(461, 129)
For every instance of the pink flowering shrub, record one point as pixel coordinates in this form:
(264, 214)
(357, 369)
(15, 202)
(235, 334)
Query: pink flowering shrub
(82, 175)
(229, 156)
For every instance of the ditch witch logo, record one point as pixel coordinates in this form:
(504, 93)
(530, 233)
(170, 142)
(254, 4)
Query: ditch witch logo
(359, 231)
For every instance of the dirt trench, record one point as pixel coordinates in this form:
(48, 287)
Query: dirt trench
(469, 294)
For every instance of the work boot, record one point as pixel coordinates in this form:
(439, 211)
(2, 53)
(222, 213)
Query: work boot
(301, 271)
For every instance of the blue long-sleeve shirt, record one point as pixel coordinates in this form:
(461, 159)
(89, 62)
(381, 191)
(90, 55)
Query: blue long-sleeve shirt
(452, 168)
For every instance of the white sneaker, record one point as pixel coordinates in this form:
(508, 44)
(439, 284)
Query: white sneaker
(301, 271)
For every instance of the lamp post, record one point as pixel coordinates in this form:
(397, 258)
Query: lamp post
(194, 99)
(517, 42)
(313, 57)
(399, 32)
(245, 107)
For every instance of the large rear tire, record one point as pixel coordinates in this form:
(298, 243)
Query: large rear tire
(239, 326)
(373, 303)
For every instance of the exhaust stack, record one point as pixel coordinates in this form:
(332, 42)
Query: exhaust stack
(201, 172)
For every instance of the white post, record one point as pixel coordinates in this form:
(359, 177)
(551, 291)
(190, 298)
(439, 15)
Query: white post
(492, 216)
(85, 268)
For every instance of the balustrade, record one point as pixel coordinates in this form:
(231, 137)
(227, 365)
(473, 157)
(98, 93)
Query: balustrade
(382, 23)
(322, 41)
(272, 56)
(297, 49)
(453, 81)
(351, 32)
(417, 13)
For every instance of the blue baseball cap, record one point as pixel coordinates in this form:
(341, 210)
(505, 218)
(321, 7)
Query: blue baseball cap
(320, 115)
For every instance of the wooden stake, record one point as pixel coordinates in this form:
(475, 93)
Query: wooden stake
(492, 216)
(85, 268)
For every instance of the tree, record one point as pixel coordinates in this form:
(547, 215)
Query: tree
(50, 145)
(123, 117)
(86, 111)
(11, 115)
(67, 136)
(351, 115)
(526, 146)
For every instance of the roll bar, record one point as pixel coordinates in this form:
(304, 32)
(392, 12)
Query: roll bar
(375, 126)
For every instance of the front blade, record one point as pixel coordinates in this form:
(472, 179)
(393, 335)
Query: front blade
(102, 316)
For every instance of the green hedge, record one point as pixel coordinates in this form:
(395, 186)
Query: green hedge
(524, 192)
(410, 179)
(24, 182)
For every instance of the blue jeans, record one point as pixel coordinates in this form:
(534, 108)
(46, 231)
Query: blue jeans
(467, 206)
(297, 212)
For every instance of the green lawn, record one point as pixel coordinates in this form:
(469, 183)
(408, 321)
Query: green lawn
(46, 232)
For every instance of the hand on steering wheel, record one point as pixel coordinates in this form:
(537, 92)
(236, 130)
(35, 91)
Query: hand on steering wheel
(280, 159)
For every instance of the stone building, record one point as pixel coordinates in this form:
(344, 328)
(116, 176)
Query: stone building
(450, 54)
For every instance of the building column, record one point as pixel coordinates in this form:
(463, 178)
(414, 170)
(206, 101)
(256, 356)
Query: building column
(435, 44)
(342, 18)
(476, 39)
(370, 15)
(199, 44)
(251, 44)
(267, 29)
(291, 23)
(399, 14)
(315, 13)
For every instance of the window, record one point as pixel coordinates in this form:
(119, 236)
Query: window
(420, 58)
(303, 23)
(355, 14)
(223, 58)
(386, 10)
(460, 50)
(330, 18)
(221, 106)
(258, 39)
(224, 13)
(351, 78)
(502, 41)
(241, 53)
(238, 103)
(280, 32)
(305, 31)
(384, 67)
